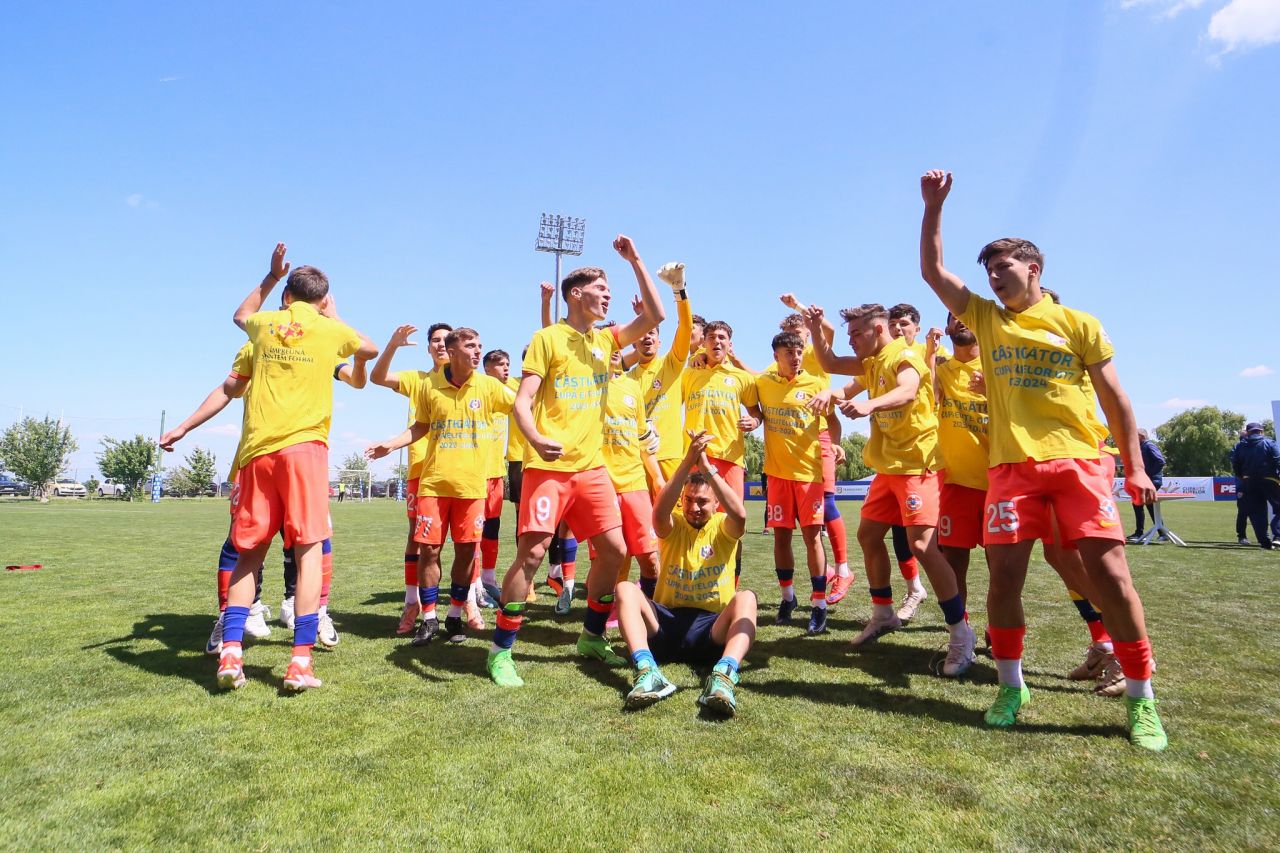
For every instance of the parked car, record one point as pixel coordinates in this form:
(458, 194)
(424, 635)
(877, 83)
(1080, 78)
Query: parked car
(378, 490)
(110, 488)
(64, 487)
(12, 487)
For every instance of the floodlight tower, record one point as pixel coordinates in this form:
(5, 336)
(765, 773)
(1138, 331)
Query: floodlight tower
(562, 235)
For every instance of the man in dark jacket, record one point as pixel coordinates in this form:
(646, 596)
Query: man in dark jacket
(1153, 460)
(1256, 463)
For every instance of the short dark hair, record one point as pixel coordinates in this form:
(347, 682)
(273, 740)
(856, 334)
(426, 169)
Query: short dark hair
(787, 340)
(873, 310)
(700, 321)
(697, 478)
(435, 327)
(1022, 250)
(791, 322)
(579, 278)
(1052, 294)
(902, 309)
(494, 356)
(715, 325)
(460, 334)
(307, 284)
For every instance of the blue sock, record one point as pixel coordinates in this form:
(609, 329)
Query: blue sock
(830, 512)
(952, 609)
(730, 665)
(643, 659)
(508, 621)
(1087, 610)
(427, 596)
(819, 583)
(227, 557)
(305, 629)
(570, 550)
(648, 585)
(457, 594)
(233, 624)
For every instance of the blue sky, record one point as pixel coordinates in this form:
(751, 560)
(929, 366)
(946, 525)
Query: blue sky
(154, 154)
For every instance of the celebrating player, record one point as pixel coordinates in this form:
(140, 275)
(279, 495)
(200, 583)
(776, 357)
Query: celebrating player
(660, 378)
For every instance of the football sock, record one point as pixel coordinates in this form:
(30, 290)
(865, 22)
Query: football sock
(728, 664)
(881, 596)
(643, 659)
(818, 598)
(326, 574)
(785, 582)
(1135, 661)
(1006, 648)
(427, 596)
(953, 610)
(233, 624)
(508, 622)
(648, 585)
(597, 614)
(835, 530)
(457, 598)
(305, 629)
(1092, 619)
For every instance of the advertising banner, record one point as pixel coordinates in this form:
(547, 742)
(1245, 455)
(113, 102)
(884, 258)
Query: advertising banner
(846, 490)
(1200, 488)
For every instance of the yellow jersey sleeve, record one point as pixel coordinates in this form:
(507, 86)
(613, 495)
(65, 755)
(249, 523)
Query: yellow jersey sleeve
(962, 425)
(696, 565)
(623, 410)
(569, 406)
(791, 446)
(903, 440)
(242, 364)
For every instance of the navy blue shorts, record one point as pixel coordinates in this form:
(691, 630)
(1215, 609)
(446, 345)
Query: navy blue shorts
(684, 634)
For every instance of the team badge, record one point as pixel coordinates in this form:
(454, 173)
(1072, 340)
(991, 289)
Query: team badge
(730, 381)
(880, 381)
(628, 400)
(914, 502)
(706, 551)
(475, 404)
(1107, 509)
(801, 396)
(657, 384)
(286, 331)
(599, 356)
(479, 522)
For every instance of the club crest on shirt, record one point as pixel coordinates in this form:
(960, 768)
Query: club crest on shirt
(657, 384)
(628, 400)
(880, 381)
(597, 353)
(286, 331)
(706, 551)
(475, 404)
(1056, 340)
(801, 396)
(729, 381)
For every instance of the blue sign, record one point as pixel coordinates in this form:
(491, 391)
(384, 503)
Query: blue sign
(155, 488)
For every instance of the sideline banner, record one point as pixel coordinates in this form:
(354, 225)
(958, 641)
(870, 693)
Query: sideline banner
(846, 490)
(1203, 488)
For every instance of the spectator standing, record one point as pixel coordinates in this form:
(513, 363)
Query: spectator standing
(1256, 464)
(1153, 461)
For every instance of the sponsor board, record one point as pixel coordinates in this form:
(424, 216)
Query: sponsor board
(1200, 488)
(846, 490)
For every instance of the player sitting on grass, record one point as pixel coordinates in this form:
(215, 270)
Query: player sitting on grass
(284, 461)
(408, 383)
(454, 411)
(696, 614)
(1045, 456)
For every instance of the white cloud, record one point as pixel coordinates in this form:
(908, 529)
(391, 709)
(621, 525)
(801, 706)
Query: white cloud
(1165, 8)
(1245, 24)
(133, 200)
(223, 429)
(1256, 371)
(1180, 403)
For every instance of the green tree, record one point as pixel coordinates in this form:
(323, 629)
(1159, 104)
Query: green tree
(355, 470)
(128, 461)
(399, 472)
(91, 486)
(753, 456)
(1197, 442)
(194, 476)
(853, 468)
(35, 451)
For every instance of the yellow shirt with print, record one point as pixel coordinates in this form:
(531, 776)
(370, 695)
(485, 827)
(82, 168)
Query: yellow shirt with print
(713, 401)
(461, 423)
(919, 349)
(660, 382)
(1035, 367)
(962, 424)
(791, 447)
(411, 384)
(696, 565)
(290, 400)
(569, 406)
(499, 441)
(903, 440)
(516, 444)
(622, 418)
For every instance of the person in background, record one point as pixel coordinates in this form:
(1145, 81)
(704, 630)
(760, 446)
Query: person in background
(1256, 464)
(1153, 461)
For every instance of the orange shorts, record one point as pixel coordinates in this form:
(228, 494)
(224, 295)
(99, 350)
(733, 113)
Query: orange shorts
(828, 463)
(910, 500)
(493, 499)
(585, 500)
(287, 492)
(731, 472)
(1024, 498)
(792, 504)
(960, 516)
(411, 498)
(463, 518)
(637, 523)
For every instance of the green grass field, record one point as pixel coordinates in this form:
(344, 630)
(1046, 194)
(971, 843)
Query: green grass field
(114, 735)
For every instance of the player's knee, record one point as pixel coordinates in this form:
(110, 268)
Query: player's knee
(868, 536)
(745, 602)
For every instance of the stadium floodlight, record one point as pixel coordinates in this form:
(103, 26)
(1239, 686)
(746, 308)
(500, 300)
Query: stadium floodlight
(561, 235)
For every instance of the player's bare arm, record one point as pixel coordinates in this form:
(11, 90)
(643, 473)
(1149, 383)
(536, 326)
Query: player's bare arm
(415, 431)
(399, 338)
(931, 359)
(231, 387)
(908, 385)
(851, 389)
(522, 413)
(670, 494)
(547, 291)
(673, 274)
(653, 313)
(844, 365)
(1124, 428)
(790, 300)
(735, 523)
(355, 374)
(253, 303)
(934, 187)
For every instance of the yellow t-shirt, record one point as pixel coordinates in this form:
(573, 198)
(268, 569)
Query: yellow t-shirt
(962, 424)
(569, 406)
(241, 368)
(660, 381)
(623, 411)
(516, 445)
(411, 384)
(496, 442)
(696, 565)
(903, 440)
(713, 401)
(290, 400)
(1034, 364)
(461, 422)
(919, 348)
(791, 448)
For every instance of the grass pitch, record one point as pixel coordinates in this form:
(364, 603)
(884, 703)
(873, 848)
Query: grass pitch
(115, 736)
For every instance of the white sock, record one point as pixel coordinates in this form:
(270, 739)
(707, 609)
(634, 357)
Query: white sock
(788, 593)
(455, 609)
(842, 570)
(820, 603)
(959, 628)
(1010, 671)
(553, 571)
(1104, 646)
(568, 587)
(494, 648)
(1138, 688)
(237, 651)
(410, 594)
(300, 660)
(489, 576)
(323, 611)
(473, 593)
(882, 611)
(915, 587)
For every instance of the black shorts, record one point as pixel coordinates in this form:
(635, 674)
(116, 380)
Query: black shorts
(684, 634)
(515, 478)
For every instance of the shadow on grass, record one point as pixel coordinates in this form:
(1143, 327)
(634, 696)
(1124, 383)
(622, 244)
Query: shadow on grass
(377, 598)
(183, 636)
(370, 626)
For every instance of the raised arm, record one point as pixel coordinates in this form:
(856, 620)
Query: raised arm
(355, 374)
(231, 387)
(381, 375)
(547, 291)
(673, 274)
(934, 186)
(931, 360)
(790, 300)
(652, 313)
(415, 431)
(1124, 429)
(844, 365)
(252, 303)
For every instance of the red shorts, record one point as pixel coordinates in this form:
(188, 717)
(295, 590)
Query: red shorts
(463, 518)
(493, 499)
(287, 492)
(910, 500)
(828, 463)
(731, 472)
(960, 516)
(1024, 498)
(585, 500)
(792, 504)
(411, 498)
(637, 523)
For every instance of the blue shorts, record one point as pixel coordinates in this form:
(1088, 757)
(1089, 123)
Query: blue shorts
(684, 634)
